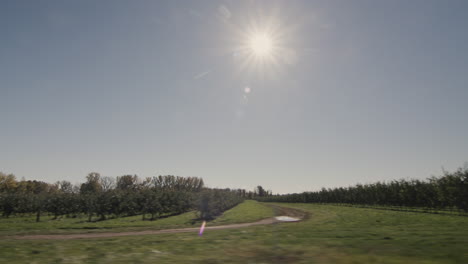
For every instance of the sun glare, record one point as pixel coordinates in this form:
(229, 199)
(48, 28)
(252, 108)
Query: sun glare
(261, 44)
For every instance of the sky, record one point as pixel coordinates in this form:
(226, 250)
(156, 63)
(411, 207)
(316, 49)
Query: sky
(348, 91)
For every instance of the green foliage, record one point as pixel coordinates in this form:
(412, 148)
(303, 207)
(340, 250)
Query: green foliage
(447, 192)
(92, 185)
(151, 204)
(7, 182)
(104, 197)
(177, 183)
(127, 182)
(212, 202)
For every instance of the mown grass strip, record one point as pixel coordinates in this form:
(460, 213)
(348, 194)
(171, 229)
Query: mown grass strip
(248, 211)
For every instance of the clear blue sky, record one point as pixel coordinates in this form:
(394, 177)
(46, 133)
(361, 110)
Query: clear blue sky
(354, 92)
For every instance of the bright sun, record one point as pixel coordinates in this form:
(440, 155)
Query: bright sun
(261, 45)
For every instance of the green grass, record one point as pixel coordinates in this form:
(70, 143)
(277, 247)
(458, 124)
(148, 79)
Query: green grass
(27, 225)
(247, 211)
(446, 211)
(331, 234)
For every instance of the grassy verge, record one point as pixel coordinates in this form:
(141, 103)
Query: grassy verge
(331, 234)
(247, 211)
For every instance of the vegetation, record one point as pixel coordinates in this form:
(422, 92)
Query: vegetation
(330, 235)
(26, 225)
(106, 197)
(248, 211)
(449, 192)
(215, 201)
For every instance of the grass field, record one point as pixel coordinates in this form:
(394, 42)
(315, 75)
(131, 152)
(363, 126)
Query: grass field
(330, 234)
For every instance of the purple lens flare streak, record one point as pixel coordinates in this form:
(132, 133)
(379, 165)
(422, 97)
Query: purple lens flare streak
(202, 228)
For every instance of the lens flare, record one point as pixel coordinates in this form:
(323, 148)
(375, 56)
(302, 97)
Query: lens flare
(263, 43)
(202, 228)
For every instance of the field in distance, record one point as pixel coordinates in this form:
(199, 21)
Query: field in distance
(330, 234)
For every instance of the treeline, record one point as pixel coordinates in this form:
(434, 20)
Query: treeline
(103, 197)
(213, 202)
(449, 191)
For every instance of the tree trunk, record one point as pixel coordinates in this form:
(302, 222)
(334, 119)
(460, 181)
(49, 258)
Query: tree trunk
(38, 216)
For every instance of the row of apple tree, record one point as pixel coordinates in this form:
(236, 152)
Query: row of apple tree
(447, 192)
(102, 197)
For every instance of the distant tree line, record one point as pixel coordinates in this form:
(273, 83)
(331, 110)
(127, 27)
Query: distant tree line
(103, 197)
(449, 191)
